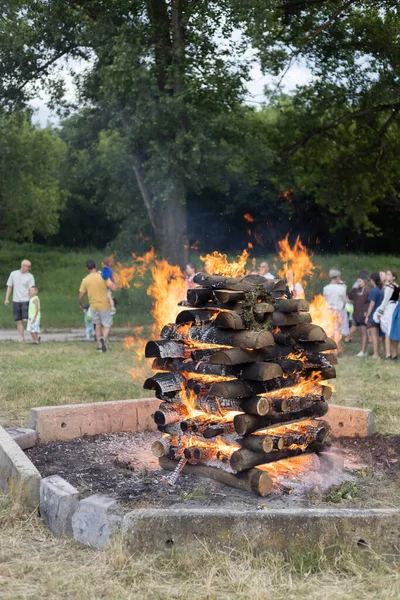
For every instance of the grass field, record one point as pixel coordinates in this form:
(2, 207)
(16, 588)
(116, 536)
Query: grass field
(34, 564)
(58, 273)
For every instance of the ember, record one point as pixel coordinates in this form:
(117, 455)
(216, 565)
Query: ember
(242, 378)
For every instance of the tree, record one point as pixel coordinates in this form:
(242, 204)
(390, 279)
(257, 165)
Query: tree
(30, 195)
(166, 74)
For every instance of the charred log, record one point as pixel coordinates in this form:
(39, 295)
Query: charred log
(199, 315)
(165, 384)
(213, 335)
(245, 424)
(262, 443)
(302, 333)
(197, 296)
(220, 406)
(242, 284)
(244, 459)
(246, 388)
(166, 349)
(168, 413)
(254, 480)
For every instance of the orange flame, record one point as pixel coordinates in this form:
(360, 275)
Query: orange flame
(298, 266)
(218, 264)
(247, 217)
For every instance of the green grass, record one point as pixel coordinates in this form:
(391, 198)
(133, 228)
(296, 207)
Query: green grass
(58, 273)
(62, 373)
(367, 383)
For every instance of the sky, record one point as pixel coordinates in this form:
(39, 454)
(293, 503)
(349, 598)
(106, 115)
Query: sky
(298, 74)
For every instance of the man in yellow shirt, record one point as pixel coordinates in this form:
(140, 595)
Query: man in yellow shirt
(96, 288)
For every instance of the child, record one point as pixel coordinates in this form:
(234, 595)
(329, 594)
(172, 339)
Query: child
(89, 327)
(34, 315)
(107, 273)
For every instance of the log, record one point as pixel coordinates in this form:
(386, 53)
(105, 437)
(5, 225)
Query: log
(201, 367)
(254, 480)
(303, 332)
(291, 306)
(172, 429)
(210, 334)
(228, 296)
(289, 366)
(197, 315)
(236, 356)
(169, 413)
(161, 447)
(166, 349)
(261, 443)
(245, 424)
(220, 406)
(197, 296)
(296, 403)
(194, 425)
(243, 388)
(331, 358)
(203, 353)
(290, 439)
(248, 283)
(280, 319)
(223, 428)
(244, 459)
(230, 320)
(165, 384)
(261, 371)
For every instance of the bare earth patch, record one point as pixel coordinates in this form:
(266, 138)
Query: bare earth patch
(122, 465)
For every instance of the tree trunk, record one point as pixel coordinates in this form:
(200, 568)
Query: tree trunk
(171, 225)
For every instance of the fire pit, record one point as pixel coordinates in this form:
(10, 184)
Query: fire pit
(242, 378)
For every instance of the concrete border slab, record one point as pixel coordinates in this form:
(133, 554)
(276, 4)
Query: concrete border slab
(18, 476)
(59, 423)
(350, 421)
(286, 530)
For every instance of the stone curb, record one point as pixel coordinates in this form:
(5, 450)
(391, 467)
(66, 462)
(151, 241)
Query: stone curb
(59, 501)
(60, 423)
(18, 476)
(291, 530)
(350, 421)
(25, 438)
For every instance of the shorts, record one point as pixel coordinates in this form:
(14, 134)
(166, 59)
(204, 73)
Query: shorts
(102, 317)
(359, 323)
(20, 310)
(33, 327)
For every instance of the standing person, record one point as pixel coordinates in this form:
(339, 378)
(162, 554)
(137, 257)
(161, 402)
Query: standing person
(19, 282)
(96, 288)
(335, 294)
(87, 319)
(375, 298)
(107, 273)
(190, 272)
(34, 315)
(385, 312)
(264, 271)
(359, 296)
(294, 286)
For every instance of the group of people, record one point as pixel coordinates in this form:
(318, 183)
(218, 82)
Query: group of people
(98, 313)
(371, 306)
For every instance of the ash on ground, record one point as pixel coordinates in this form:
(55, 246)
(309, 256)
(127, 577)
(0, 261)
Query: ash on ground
(122, 465)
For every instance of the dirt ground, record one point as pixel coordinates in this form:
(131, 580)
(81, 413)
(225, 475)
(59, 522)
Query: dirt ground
(122, 465)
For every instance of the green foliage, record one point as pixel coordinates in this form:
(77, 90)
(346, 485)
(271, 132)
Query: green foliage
(30, 196)
(345, 491)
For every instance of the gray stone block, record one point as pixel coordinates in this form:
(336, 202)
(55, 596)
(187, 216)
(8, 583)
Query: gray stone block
(25, 438)
(18, 476)
(59, 500)
(96, 521)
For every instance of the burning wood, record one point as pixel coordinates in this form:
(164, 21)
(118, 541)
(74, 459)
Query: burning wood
(240, 373)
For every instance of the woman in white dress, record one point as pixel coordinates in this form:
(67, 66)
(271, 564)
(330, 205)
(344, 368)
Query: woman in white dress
(384, 313)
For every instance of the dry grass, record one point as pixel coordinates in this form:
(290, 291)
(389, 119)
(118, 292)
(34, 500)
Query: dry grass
(34, 564)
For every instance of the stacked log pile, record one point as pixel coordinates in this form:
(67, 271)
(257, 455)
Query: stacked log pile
(240, 377)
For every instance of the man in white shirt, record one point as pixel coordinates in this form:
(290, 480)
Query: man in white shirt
(264, 271)
(19, 282)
